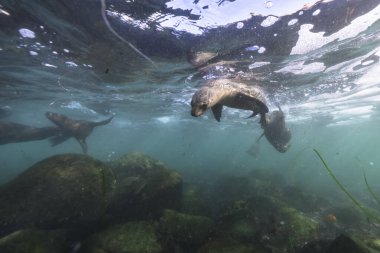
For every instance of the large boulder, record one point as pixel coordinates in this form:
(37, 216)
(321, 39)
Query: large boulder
(348, 244)
(144, 187)
(131, 237)
(60, 191)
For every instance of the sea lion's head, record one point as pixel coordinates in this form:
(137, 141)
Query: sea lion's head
(202, 100)
(56, 118)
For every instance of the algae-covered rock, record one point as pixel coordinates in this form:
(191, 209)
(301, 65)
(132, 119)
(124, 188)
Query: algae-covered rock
(229, 246)
(295, 229)
(35, 241)
(193, 201)
(144, 186)
(185, 229)
(60, 191)
(373, 243)
(131, 237)
(238, 222)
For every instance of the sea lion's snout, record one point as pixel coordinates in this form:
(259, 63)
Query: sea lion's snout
(282, 148)
(49, 115)
(197, 111)
(194, 114)
(198, 107)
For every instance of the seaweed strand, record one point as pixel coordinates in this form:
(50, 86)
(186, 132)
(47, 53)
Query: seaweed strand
(104, 16)
(357, 204)
(370, 189)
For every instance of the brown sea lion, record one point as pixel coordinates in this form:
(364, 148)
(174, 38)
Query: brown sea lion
(79, 129)
(226, 92)
(275, 130)
(11, 132)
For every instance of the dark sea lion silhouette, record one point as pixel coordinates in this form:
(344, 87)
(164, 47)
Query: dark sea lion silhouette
(275, 130)
(11, 132)
(226, 92)
(79, 129)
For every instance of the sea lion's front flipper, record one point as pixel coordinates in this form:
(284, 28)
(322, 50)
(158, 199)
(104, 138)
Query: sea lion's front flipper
(83, 144)
(59, 139)
(217, 111)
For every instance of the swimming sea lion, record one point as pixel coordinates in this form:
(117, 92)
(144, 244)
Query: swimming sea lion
(226, 92)
(79, 129)
(11, 132)
(276, 131)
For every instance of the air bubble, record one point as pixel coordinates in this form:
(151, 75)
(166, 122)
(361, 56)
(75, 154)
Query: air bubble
(268, 4)
(239, 25)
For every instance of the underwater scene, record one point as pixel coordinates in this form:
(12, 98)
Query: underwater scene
(199, 126)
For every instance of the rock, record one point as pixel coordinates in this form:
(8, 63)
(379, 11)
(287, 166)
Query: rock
(144, 186)
(318, 246)
(185, 229)
(228, 246)
(348, 244)
(294, 229)
(61, 191)
(131, 237)
(35, 241)
(237, 222)
(193, 201)
(373, 243)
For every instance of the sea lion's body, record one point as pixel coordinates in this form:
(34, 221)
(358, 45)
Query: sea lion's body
(11, 132)
(275, 130)
(226, 92)
(79, 129)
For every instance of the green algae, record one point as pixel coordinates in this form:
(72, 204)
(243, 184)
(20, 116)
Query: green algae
(130, 237)
(184, 228)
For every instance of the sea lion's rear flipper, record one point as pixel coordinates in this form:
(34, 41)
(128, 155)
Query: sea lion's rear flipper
(54, 141)
(104, 122)
(83, 144)
(217, 111)
(261, 136)
(252, 115)
(254, 150)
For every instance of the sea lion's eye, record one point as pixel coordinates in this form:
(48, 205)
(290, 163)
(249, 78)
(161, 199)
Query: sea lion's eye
(203, 106)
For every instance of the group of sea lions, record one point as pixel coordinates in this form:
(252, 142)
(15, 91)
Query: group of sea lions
(232, 93)
(213, 95)
(65, 128)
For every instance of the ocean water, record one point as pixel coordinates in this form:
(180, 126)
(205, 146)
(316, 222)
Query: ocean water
(318, 60)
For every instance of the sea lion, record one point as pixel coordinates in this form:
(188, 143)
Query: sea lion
(275, 130)
(11, 132)
(226, 92)
(79, 129)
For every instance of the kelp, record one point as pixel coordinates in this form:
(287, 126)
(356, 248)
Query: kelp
(364, 210)
(370, 189)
